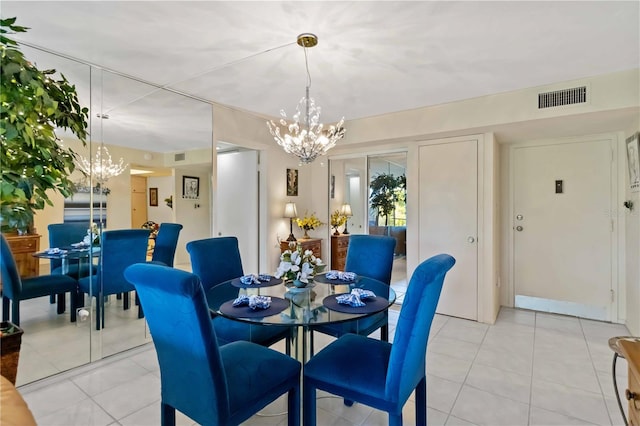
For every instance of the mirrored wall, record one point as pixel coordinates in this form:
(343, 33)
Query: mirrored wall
(164, 139)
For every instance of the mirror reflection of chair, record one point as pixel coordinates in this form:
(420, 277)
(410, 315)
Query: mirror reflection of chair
(15, 289)
(216, 260)
(62, 235)
(164, 250)
(370, 256)
(118, 250)
(380, 374)
(212, 384)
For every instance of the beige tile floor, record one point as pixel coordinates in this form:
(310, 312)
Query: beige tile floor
(527, 369)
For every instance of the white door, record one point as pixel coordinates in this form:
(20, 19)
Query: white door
(449, 220)
(562, 229)
(237, 204)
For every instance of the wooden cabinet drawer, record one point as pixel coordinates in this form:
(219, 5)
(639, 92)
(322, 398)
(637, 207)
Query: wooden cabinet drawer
(313, 244)
(339, 248)
(22, 247)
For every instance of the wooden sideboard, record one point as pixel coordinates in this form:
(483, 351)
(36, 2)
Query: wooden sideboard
(23, 247)
(313, 244)
(339, 246)
(631, 352)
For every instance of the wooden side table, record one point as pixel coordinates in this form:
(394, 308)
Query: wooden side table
(313, 244)
(631, 351)
(339, 247)
(23, 247)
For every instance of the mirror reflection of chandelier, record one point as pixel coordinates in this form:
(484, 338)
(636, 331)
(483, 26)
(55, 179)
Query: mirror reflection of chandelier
(306, 139)
(103, 168)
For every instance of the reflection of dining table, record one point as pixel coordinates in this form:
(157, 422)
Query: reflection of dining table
(70, 253)
(82, 254)
(299, 308)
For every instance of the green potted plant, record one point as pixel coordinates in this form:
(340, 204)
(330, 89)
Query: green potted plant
(386, 191)
(33, 103)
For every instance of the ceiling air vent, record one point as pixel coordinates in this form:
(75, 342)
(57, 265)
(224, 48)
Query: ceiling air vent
(577, 95)
(178, 157)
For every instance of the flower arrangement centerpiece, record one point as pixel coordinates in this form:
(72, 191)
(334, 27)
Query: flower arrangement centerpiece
(337, 220)
(298, 265)
(151, 226)
(308, 223)
(93, 236)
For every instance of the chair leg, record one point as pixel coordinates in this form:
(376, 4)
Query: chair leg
(119, 296)
(293, 408)
(309, 405)
(125, 300)
(287, 345)
(140, 312)
(384, 333)
(15, 311)
(62, 303)
(421, 402)
(52, 299)
(73, 301)
(99, 311)
(6, 302)
(397, 420)
(167, 415)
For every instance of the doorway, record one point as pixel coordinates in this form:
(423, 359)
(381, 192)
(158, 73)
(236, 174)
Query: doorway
(563, 239)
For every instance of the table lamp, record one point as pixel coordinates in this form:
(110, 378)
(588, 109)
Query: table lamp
(345, 210)
(290, 212)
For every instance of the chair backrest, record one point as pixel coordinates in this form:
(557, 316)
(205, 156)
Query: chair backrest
(166, 242)
(371, 256)
(407, 362)
(192, 376)
(118, 250)
(215, 260)
(65, 234)
(11, 283)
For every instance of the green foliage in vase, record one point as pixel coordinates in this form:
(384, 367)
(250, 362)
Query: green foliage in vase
(33, 103)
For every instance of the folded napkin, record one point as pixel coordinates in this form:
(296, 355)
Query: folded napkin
(339, 275)
(354, 299)
(254, 279)
(55, 250)
(253, 301)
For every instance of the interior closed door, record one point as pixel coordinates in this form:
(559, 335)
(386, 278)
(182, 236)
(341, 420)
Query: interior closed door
(449, 220)
(138, 201)
(237, 206)
(562, 228)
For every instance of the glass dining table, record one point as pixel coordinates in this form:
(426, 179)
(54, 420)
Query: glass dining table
(299, 308)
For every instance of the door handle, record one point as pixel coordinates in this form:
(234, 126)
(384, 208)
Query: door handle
(519, 228)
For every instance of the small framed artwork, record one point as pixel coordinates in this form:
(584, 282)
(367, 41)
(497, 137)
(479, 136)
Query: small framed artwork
(292, 182)
(633, 161)
(153, 196)
(190, 187)
(332, 187)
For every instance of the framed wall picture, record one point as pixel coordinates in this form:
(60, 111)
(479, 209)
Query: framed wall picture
(633, 162)
(332, 187)
(292, 182)
(153, 196)
(190, 187)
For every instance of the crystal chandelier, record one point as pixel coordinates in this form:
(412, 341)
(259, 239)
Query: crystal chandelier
(103, 168)
(306, 137)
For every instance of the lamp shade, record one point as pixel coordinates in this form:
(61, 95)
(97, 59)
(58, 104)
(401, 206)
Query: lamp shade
(345, 210)
(290, 210)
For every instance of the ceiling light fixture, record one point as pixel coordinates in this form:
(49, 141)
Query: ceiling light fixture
(103, 168)
(306, 139)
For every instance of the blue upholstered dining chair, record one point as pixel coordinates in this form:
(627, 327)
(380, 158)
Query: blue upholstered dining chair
(380, 374)
(216, 260)
(63, 235)
(15, 289)
(370, 256)
(118, 249)
(164, 249)
(212, 384)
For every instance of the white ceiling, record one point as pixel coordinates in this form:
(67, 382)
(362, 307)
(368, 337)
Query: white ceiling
(372, 58)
